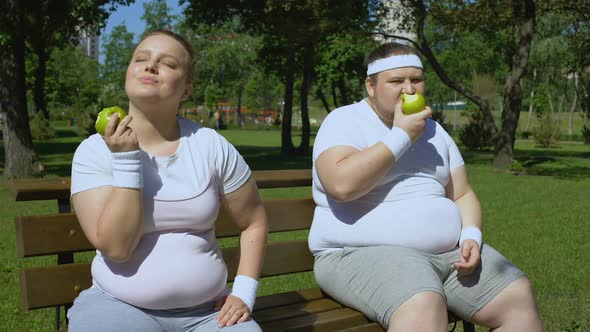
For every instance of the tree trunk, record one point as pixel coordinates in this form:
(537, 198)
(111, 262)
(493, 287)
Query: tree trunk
(343, 91)
(39, 89)
(20, 157)
(324, 101)
(504, 152)
(504, 147)
(424, 46)
(239, 106)
(287, 147)
(532, 103)
(549, 97)
(334, 95)
(570, 129)
(305, 84)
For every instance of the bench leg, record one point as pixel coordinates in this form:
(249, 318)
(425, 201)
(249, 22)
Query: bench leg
(63, 259)
(468, 327)
(63, 206)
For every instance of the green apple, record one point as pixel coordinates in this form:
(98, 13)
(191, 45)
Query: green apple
(413, 103)
(103, 117)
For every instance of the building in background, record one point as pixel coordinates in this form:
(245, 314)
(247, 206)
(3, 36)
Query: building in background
(89, 44)
(390, 24)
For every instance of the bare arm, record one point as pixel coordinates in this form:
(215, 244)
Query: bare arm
(347, 173)
(112, 217)
(247, 210)
(460, 191)
(245, 207)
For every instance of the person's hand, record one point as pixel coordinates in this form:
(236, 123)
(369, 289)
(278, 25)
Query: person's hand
(412, 124)
(233, 311)
(470, 257)
(120, 138)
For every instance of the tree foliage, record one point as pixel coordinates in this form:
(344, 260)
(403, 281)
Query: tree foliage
(291, 32)
(118, 49)
(43, 24)
(505, 28)
(157, 15)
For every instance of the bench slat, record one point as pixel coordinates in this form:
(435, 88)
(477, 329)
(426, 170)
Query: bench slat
(281, 258)
(57, 233)
(59, 188)
(332, 320)
(42, 287)
(371, 327)
(294, 310)
(283, 215)
(298, 296)
(60, 284)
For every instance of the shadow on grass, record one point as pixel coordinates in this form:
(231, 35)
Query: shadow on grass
(57, 158)
(267, 158)
(554, 162)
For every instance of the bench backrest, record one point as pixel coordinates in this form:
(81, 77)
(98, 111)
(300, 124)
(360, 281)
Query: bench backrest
(53, 285)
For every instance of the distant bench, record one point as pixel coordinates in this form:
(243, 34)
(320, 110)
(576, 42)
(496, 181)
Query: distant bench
(60, 234)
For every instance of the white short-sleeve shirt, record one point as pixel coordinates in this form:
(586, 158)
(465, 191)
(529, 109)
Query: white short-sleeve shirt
(177, 262)
(407, 208)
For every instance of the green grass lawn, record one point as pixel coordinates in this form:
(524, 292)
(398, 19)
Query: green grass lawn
(538, 220)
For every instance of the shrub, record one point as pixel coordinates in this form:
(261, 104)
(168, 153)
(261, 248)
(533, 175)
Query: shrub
(41, 128)
(547, 132)
(84, 121)
(476, 135)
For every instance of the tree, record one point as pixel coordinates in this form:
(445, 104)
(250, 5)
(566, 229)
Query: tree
(508, 28)
(341, 70)
(548, 68)
(220, 79)
(72, 86)
(21, 159)
(292, 33)
(118, 49)
(55, 23)
(156, 15)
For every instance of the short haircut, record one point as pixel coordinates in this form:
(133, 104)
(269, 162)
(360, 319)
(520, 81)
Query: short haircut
(185, 44)
(387, 50)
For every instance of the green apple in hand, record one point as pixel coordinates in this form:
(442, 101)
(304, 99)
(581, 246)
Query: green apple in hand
(413, 103)
(103, 117)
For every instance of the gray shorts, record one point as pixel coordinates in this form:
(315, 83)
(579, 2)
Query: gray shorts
(93, 310)
(376, 280)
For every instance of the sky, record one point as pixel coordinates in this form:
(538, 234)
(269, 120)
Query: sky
(130, 16)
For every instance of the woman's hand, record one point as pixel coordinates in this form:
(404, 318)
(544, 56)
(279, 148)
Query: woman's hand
(233, 311)
(470, 257)
(120, 138)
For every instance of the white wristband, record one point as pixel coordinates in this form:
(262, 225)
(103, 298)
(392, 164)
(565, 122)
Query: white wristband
(472, 233)
(398, 141)
(245, 289)
(127, 170)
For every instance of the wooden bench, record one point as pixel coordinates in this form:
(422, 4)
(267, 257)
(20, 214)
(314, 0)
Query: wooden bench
(60, 234)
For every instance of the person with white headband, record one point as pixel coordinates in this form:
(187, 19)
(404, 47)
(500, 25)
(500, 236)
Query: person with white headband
(147, 195)
(397, 229)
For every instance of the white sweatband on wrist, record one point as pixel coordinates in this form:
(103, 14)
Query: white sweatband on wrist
(245, 289)
(398, 141)
(127, 170)
(393, 62)
(471, 233)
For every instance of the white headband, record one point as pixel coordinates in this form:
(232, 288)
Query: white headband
(392, 62)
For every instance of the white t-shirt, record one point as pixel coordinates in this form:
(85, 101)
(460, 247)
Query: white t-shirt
(408, 207)
(177, 263)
